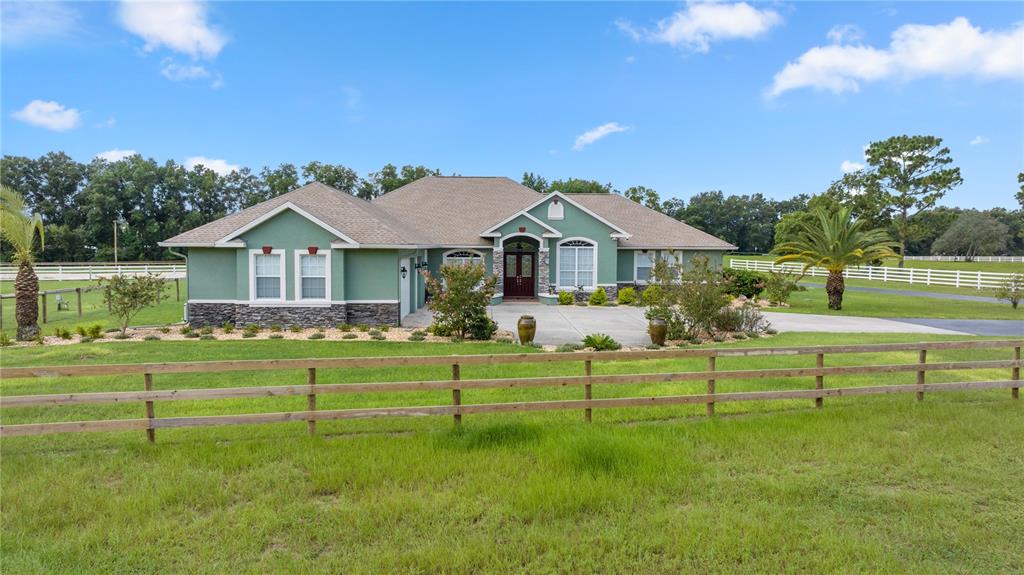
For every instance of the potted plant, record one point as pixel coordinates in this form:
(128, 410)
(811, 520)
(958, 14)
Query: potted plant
(527, 329)
(267, 250)
(657, 328)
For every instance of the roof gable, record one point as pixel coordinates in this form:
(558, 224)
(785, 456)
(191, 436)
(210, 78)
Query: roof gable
(278, 210)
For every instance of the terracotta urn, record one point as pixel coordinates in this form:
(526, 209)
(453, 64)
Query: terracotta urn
(313, 250)
(527, 329)
(267, 250)
(657, 329)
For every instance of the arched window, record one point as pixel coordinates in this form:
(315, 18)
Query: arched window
(577, 260)
(463, 257)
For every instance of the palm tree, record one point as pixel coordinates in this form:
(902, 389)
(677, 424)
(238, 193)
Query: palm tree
(835, 241)
(19, 229)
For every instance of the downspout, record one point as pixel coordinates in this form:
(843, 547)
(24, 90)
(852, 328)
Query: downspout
(188, 286)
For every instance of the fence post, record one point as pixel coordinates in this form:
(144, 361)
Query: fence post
(588, 413)
(819, 380)
(979, 280)
(150, 431)
(78, 296)
(711, 387)
(177, 290)
(922, 356)
(885, 274)
(928, 277)
(957, 278)
(42, 296)
(1015, 374)
(911, 276)
(456, 394)
(311, 400)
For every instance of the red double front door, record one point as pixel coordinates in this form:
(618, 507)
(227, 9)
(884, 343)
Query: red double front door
(519, 274)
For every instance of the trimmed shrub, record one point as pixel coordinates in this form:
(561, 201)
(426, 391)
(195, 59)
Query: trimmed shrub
(627, 296)
(185, 330)
(85, 339)
(316, 335)
(62, 332)
(5, 340)
(378, 337)
(599, 297)
(207, 337)
(228, 327)
(246, 334)
(349, 336)
(744, 282)
(95, 331)
(374, 332)
(151, 337)
(566, 347)
(565, 298)
(276, 336)
(295, 329)
(601, 342)
(274, 328)
(481, 327)
(165, 329)
(415, 337)
(729, 319)
(206, 331)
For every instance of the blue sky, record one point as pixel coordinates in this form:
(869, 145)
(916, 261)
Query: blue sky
(764, 97)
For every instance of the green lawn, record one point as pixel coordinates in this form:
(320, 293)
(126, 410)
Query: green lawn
(871, 304)
(875, 484)
(93, 308)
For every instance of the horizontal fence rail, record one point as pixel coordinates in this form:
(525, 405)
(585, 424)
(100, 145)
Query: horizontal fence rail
(149, 396)
(93, 271)
(951, 278)
(986, 259)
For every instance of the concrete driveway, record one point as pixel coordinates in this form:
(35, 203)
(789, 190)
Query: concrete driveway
(557, 324)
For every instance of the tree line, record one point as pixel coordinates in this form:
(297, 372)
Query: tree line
(81, 203)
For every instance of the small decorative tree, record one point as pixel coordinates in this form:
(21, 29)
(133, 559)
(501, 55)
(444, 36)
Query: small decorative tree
(702, 295)
(460, 297)
(19, 230)
(127, 296)
(779, 285)
(1011, 290)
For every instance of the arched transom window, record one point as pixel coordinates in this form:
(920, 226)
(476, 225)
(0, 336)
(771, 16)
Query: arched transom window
(576, 263)
(463, 257)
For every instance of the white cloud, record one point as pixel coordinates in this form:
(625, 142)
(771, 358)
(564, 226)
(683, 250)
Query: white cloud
(595, 134)
(115, 155)
(978, 140)
(699, 24)
(49, 115)
(179, 26)
(184, 72)
(25, 22)
(630, 59)
(848, 167)
(108, 123)
(845, 33)
(950, 50)
(222, 167)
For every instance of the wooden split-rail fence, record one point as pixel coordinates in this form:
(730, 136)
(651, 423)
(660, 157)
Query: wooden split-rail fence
(312, 388)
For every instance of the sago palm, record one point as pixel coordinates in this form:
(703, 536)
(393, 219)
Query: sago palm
(835, 241)
(19, 230)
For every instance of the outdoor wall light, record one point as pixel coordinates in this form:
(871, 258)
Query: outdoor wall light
(404, 271)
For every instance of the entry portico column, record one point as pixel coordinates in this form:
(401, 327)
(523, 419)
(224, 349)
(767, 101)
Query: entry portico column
(498, 268)
(543, 270)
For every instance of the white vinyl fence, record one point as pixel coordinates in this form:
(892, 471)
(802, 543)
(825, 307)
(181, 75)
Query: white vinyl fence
(93, 271)
(986, 259)
(952, 278)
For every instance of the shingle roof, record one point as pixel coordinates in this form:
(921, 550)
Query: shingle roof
(450, 211)
(454, 210)
(648, 228)
(358, 219)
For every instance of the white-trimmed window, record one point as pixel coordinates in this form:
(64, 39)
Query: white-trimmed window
(313, 276)
(577, 263)
(463, 257)
(266, 275)
(643, 264)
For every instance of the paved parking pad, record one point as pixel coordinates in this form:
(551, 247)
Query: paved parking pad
(569, 324)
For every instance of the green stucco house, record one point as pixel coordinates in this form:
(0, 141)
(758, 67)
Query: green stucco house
(317, 256)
